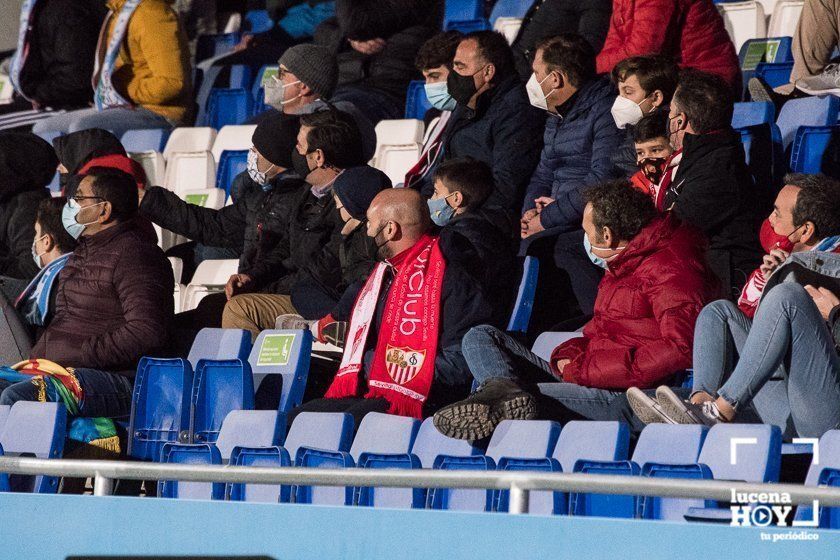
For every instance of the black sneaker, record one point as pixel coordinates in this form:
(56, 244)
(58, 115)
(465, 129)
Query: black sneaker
(478, 415)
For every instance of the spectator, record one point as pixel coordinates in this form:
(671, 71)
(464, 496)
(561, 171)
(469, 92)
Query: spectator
(434, 61)
(549, 18)
(143, 74)
(691, 32)
(259, 216)
(198, 17)
(115, 302)
(352, 193)
(76, 149)
(646, 85)
(492, 121)
(53, 62)
(711, 187)
(653, 150)
(27, 164)
(305, 81)
(376, 42)
(656, 283)
(406, 370)
(480, 238)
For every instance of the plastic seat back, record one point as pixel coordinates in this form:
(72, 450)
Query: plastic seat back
(38, 430)
(160, 406)
(259, 457)
(395, 161)
(829, 459)
(213, 199)
(416, 102)
(398, 132)
(332, 431)
(219, 386)
(743, 21)
(153, 165)
(468, 26)
(145, 140)
(232, 163)
(258, 21)
(785, 18)
(744, 452)
(750, 113)
(220, 344)
(809, 146)
(430, 443)
(548, 341)
(510, 9)
(462, 10)
(210, 276)
(4, 415)
(775, 74)
(286, 353)
(807, 111)
(209, 46)
(232, 137)
(250, 428)
(384, 434)
(190, 170)
(772, 49)
(204, 454)
(228, 106)
(189, 139)
(520, 318)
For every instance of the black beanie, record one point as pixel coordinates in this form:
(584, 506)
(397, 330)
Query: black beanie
(357, 186)
(276, 137)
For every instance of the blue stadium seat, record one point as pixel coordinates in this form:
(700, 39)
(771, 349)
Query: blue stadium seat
(231, 164)
(510, 8)
(750, 113)
(209, 46)
(546, 342)
(220, 344)
(227, 106)
(809, 146)
(258, 21)
(467, 26)
(4, 414)
(219, 387)
(145, 140)
(332, 431)
(241, 76)
(807, 111)
(259, 457)
(160, 406)
(829, 465)
(257, 90)
(430, 443)
(770, 49)
(285, 353)
(250, 429)
(524, 304)
(416, 102)
(201, 454)
(591, 441)
(774, 74)
(5, 486)
(34, 429)
(462, 10)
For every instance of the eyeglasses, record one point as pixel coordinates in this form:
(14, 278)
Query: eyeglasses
(79, 198)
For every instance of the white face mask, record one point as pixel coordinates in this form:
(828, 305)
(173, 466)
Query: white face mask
(535, 92)
(626, 111)
(275, 93)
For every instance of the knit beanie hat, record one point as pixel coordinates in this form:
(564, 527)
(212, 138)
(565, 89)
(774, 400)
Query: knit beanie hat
(276, 137)
(314, 65)
(356, 188)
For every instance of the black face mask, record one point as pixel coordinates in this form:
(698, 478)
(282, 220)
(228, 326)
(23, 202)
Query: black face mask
(658, 165)
(461, 88)
(300, 165)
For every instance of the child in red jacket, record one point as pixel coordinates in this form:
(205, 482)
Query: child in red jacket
(653, 152)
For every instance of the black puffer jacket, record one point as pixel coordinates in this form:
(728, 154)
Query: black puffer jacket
(27, 164)
(253, 225)
(62, 49)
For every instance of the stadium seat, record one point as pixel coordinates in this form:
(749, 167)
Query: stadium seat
(416, 103)
(809, 146)
(763, 153)
(775, 74)
(398, 132)
(548, 341)
(189, 139)
(509, 27)
(209, 46)
(220, 344)
(462, 10)
(231, 164)
(753, 112)
(467, 26)
(189, 171)
(286, 353)
(232, 137)
(827, 466)
(524, 304)
(4, 415)
(510, 9)
(34, 429)
(202, 454)
(250, 429)
(241, 76)
(807, 111)
(744, 21)
(219, 386)
(177, 272)
(785, 18)
(332, 431)
(230, 106)
(258, 21)
(153, 165)
(145, 140)
(771, 49)
(395, 161)
(430, 443)
(212, 198)
(274, 456)
(5, 485)
(210, 277)
(160, 406)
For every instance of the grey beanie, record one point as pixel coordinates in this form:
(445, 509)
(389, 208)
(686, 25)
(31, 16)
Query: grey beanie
(313, 65)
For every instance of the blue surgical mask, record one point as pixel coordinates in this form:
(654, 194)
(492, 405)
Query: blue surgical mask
(440, 210)
(68, 218)
(596, 260)
(438, 96)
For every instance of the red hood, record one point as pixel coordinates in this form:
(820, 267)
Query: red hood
(122, 163)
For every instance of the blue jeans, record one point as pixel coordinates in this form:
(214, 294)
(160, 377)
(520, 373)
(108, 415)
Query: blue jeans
(492, 354)
(117, 120)
(105, 394)
(787, 369)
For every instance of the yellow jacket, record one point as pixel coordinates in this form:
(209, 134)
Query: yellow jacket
(153, 66)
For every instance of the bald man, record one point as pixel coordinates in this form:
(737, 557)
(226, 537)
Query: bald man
(430, 306)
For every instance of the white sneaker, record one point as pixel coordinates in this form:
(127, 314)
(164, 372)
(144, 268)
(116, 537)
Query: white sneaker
(291, 322)
(828, 82)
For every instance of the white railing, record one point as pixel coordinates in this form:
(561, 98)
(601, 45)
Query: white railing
(519, 483)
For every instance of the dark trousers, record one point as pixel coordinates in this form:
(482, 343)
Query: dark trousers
(357, 407)
(208, 313)
(569, 255)
(373, 103)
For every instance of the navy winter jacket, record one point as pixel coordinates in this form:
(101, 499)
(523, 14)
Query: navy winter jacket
(577, 151)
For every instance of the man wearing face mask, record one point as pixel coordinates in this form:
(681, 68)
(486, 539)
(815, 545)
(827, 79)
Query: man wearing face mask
(492, 121)
(709, 185)
(114, 302)
(655, 285)
(407, 323)
(305, 83)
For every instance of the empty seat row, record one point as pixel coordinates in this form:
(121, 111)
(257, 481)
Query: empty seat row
(32, 429)
(748, 20)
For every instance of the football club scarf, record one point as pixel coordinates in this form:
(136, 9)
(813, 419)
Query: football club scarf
(105, 95)
(404, 358)
(34, 302)
(19, 59)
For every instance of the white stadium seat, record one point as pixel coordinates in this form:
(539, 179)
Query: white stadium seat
(177, 270)
(398, 132)
(785, 18)
(153, 164)
(744, 21)
(210, 277)
(189, 139)
(396, 160)
(207, 198)
(233, 137)
(509, 27)
(189, 171)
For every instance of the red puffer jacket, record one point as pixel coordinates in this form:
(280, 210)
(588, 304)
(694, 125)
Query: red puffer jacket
(690, 31)
(643, 327)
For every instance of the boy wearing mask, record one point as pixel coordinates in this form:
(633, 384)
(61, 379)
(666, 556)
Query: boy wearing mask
(650, 138)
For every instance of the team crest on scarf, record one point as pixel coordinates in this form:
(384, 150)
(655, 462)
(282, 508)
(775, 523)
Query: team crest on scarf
(403, 364)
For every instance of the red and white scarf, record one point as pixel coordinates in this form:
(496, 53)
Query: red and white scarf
(404, 359)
